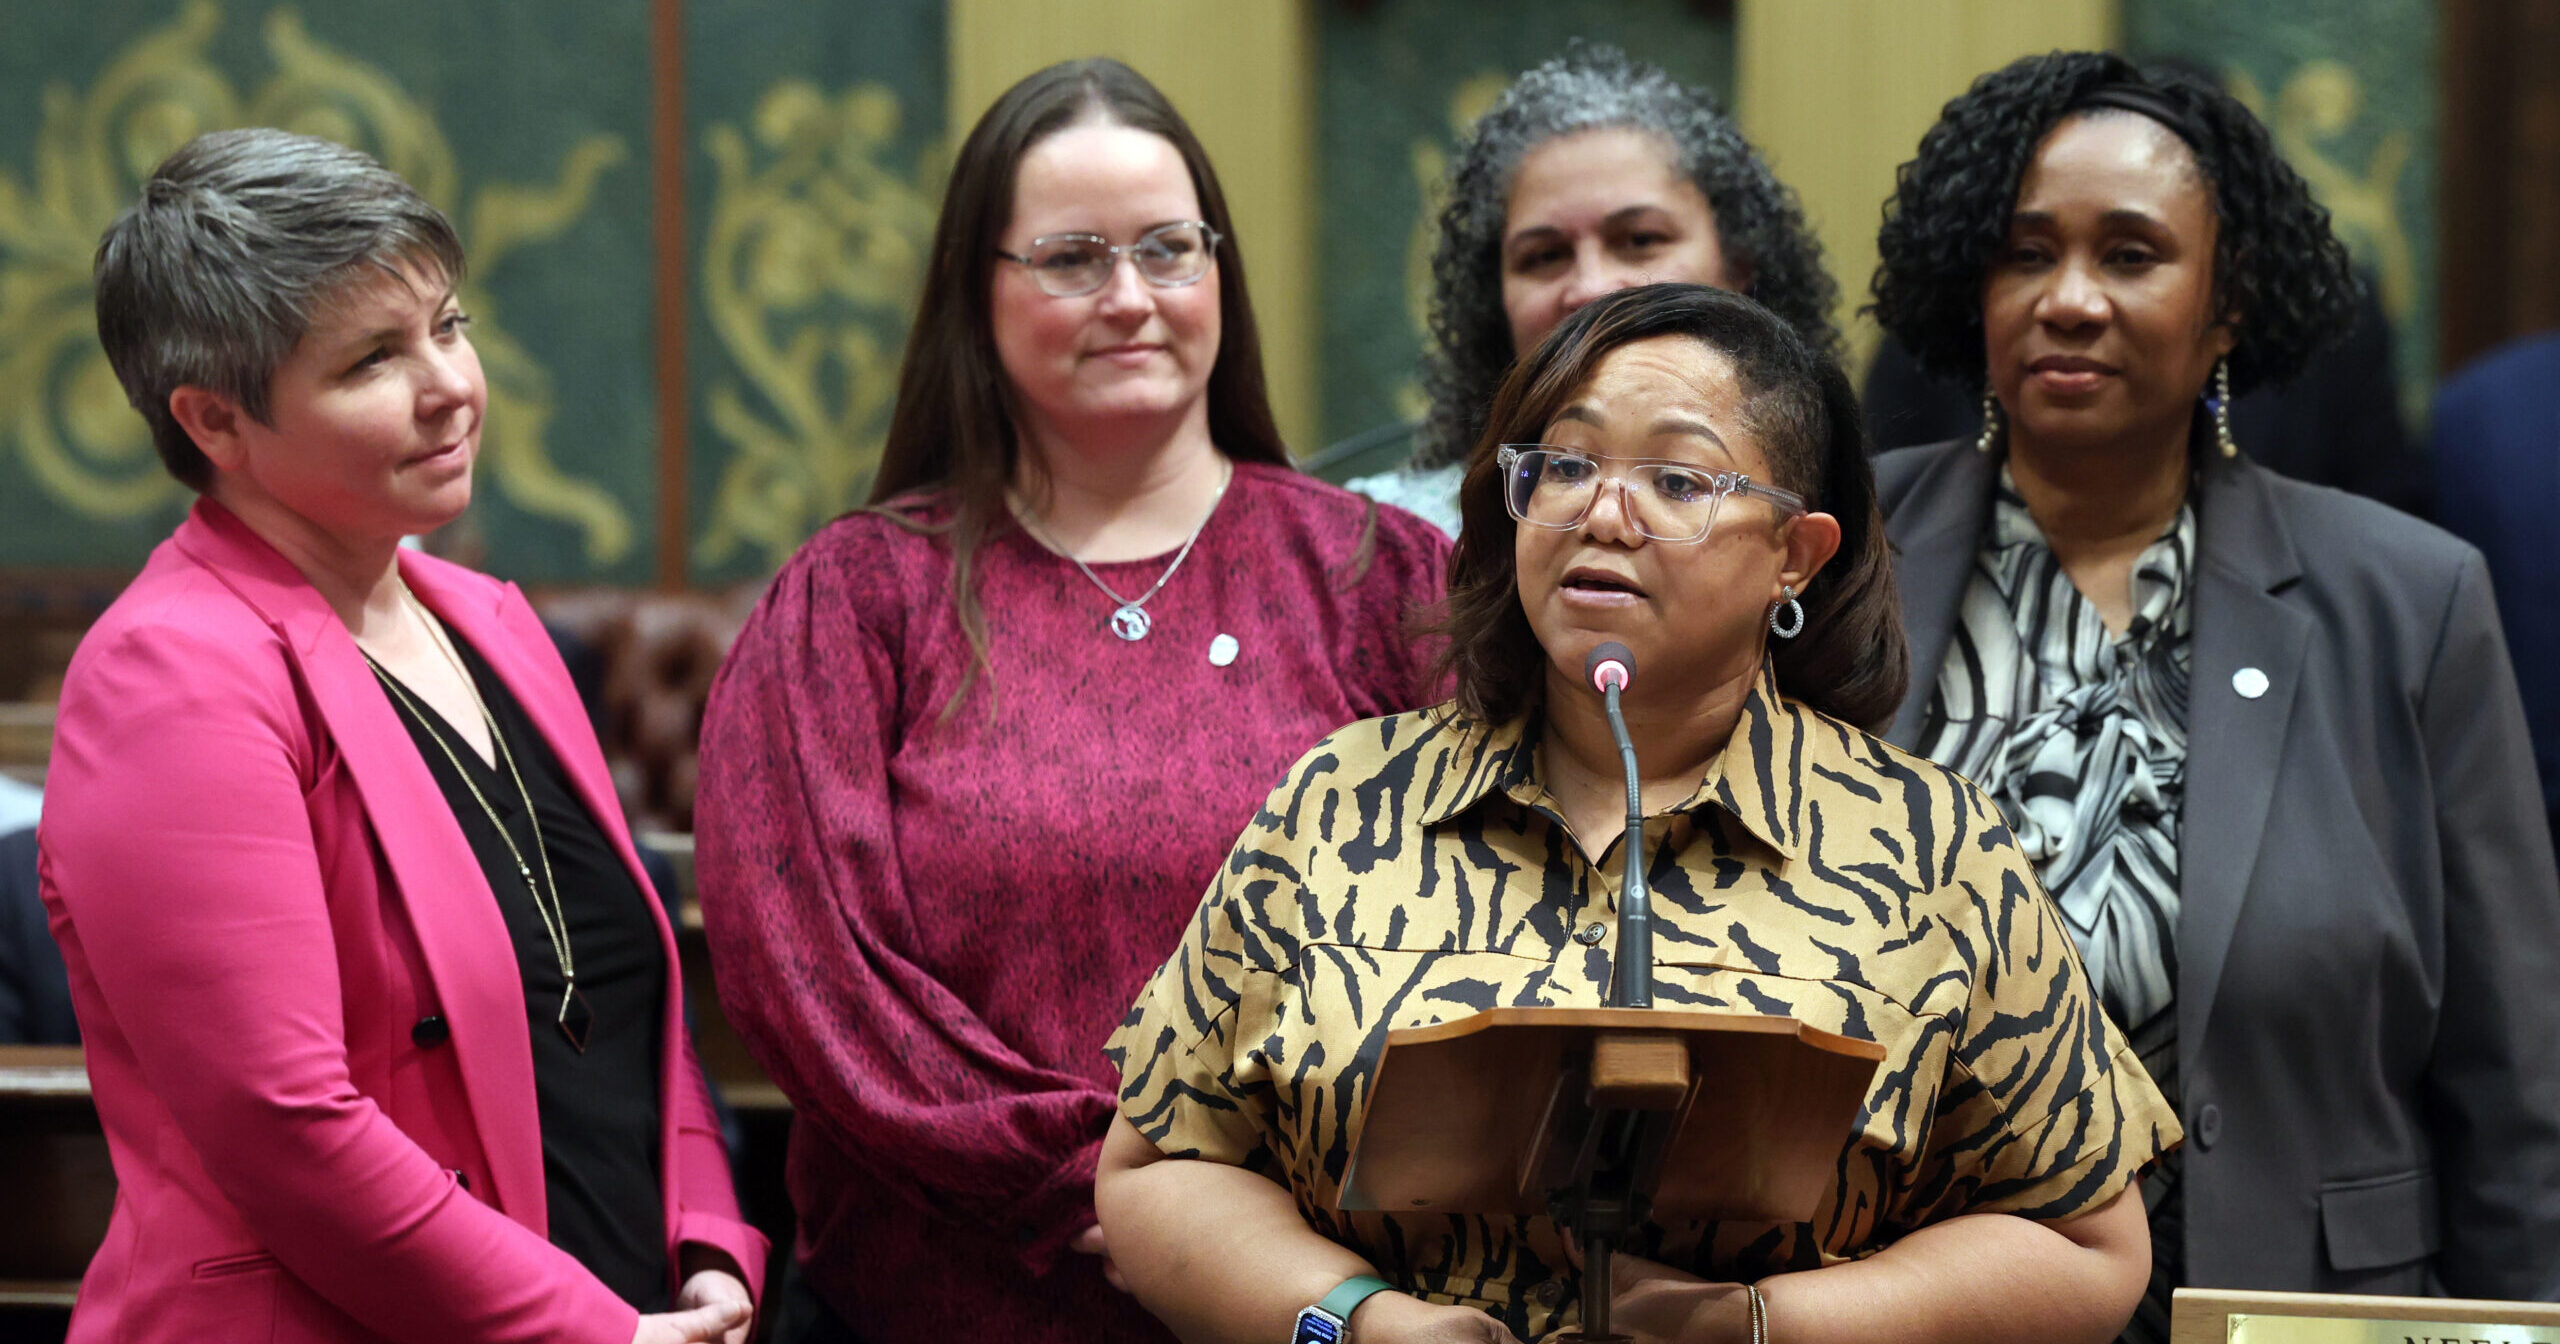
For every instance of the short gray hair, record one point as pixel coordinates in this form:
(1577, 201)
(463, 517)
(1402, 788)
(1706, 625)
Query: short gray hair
(214, 275)
(1591, 86)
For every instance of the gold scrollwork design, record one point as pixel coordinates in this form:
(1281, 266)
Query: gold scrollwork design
(70, 424)
(2318, 104)
(811, 259)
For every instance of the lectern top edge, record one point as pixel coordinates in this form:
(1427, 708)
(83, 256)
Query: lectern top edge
(1639, 1019)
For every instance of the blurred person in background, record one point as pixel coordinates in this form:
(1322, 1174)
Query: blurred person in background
(2495, 446)
(1593, 172)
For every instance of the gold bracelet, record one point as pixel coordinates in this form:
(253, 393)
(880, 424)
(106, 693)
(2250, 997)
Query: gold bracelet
(1759, 1314)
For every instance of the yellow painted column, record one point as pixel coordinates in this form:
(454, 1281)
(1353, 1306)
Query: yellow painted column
(1838, 92)
(1243, 75)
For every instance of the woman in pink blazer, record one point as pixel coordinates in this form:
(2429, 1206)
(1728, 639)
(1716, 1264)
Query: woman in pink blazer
(382, 1021)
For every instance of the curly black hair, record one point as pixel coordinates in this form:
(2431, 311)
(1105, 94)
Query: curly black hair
(2281, 277)
(1759, 223)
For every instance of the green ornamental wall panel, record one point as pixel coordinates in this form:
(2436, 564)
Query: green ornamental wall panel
(2348, 89)
(526, 123)
(1398, 80)
(815, 168)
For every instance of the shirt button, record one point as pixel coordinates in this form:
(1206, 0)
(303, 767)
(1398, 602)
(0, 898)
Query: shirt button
(1549, 1293)
(2208, 1125)
(1591, 934)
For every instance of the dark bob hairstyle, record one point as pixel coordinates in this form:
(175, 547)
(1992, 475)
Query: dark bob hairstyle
(2281, 278)
(951, 449)
(1591, 87)
(1850, 663)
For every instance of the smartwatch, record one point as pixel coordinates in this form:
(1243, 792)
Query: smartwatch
(1327, 1322)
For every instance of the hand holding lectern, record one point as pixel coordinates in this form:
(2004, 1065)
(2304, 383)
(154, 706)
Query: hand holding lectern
(1604, 1117)
(1486, 1114)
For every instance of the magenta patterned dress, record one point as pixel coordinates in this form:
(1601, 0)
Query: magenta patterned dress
(927, 919)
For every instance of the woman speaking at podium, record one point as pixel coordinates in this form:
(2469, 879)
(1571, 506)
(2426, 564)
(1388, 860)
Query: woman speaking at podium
(1676, 471)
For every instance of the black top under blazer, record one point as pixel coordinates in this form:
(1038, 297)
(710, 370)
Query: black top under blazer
(2368, 949)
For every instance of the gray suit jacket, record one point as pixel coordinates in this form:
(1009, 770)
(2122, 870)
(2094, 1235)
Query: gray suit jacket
(2368, 949)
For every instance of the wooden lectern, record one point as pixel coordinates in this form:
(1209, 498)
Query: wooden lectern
(1606, 1117)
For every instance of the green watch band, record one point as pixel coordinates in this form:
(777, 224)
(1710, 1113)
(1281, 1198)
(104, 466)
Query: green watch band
(1342, 1301)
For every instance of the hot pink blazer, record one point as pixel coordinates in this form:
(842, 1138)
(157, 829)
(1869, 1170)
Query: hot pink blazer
(261, 895)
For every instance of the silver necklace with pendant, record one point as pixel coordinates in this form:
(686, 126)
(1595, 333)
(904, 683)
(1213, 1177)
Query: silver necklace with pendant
(1129, 618)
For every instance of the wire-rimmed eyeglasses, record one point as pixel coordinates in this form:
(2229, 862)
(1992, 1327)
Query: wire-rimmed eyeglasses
(1168, 256)
(1550, 487)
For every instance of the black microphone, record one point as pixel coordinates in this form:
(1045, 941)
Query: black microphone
(1611, 668)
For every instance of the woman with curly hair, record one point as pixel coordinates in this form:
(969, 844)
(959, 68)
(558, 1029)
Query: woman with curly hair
(2260, 738)
(1593, 172)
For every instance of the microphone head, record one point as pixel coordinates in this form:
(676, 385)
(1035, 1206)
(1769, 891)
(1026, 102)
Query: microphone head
(1611, 664)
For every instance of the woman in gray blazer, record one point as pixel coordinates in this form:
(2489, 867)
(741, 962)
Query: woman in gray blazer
(2261, 738)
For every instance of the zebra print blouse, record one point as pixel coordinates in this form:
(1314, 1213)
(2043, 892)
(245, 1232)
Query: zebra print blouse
(2081, 737)
(1413, 869)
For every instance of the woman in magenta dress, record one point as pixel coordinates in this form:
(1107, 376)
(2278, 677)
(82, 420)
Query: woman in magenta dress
(985, 741)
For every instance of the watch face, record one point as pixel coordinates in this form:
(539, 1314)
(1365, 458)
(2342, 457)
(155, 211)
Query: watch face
(1314, 1327)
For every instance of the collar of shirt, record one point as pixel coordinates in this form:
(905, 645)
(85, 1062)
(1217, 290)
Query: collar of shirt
(2159, 573)
(1757, 780)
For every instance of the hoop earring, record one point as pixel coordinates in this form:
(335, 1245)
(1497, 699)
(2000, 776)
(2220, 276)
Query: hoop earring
(2221, 403)
(1794, 610)
(1990, 421)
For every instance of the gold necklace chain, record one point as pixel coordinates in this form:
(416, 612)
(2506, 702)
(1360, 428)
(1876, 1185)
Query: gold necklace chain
(555, 917)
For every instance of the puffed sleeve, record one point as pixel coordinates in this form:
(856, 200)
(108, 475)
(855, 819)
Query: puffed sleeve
(2492, 1085)
(2047, 1112)
(805, 904)
(177, 842)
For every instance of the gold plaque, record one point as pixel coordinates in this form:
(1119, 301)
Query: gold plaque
(2342, 1330)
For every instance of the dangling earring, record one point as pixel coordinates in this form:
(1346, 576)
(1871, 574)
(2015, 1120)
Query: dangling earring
(1795, 614)
(1990, 421)
(2222, 407)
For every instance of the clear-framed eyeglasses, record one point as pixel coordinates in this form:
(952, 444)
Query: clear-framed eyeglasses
(1168, 256)
(1550, 487)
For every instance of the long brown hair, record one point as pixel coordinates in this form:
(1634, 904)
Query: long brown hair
(1851, 661)
(952, 446)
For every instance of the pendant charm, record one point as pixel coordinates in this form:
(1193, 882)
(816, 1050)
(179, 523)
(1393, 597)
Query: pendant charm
(1131, 623)
(576, 1019)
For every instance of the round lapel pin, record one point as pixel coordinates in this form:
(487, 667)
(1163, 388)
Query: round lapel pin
(2249, 682)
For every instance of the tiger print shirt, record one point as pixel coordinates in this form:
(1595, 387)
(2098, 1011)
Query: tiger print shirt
(1412, 869)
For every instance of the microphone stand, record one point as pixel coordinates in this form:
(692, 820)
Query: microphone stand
(1633, 983)
(1618, 1159)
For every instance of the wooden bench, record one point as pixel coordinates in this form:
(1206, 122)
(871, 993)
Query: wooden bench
(53, 1163)
(26, 739)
